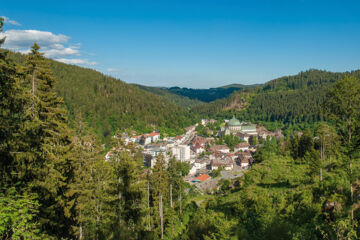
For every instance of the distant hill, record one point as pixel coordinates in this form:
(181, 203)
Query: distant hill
(108, 104)
(241, 86)
(199, 95)
(179, 100)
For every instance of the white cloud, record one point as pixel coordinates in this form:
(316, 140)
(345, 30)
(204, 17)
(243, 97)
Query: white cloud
(17, 39)
(62, 51)
(52, 45)
(76, 61)
(9, 21)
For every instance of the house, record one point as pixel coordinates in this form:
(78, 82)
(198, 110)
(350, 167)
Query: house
(155, 136)
(201, 163)
(198, 149)
(135, 139)
(245, 159)
(145, 139)
(226, 163)
(244, 163)
(264, 133)
(178, 139)
(219, 148)
(190, 129)
(243, 136)
(244, 146)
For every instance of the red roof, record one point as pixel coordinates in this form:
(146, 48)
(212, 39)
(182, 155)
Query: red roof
(202, 177)
(153, 134)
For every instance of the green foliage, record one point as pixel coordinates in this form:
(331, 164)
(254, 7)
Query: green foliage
(230, 140)
(18, 216)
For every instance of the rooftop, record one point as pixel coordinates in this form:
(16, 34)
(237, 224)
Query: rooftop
(234, 122)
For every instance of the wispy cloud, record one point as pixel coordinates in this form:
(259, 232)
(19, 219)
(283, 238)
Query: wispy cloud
(76, 61)
(10, 21)
(54, 46)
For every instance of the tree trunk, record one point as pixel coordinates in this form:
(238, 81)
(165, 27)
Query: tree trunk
(161, 216)
(81, 233)
(171, 202)
(148, 205)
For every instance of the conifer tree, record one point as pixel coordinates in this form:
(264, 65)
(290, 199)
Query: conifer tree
(130, 190)
(45, 167)
(159, 187)
(90, 191)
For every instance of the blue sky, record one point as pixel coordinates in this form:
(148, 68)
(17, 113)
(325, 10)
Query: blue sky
(197, 44)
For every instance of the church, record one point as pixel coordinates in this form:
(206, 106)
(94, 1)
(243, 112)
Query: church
(234, 126)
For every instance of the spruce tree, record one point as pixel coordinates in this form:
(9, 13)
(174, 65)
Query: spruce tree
(130, 190)
(45, 167)
(89, 191)
(160, 191)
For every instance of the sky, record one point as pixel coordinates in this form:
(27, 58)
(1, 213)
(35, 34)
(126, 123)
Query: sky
(197, 44)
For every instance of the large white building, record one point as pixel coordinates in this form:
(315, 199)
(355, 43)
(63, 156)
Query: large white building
(181, 152)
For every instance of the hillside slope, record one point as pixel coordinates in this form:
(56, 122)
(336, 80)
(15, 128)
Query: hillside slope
(179, 100)
(290, 99)
(108, 104)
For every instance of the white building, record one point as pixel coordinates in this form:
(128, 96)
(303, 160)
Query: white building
(181, 152)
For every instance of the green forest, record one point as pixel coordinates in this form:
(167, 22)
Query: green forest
(56, 184)
(108, 104)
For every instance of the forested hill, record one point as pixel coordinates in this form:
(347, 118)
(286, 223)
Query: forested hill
(312, 79)
(108, 104)
(287, 100)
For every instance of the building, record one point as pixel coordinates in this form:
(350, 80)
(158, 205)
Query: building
(244, 163)
(244, 146)
(190, 129)
(226, 164)
(219, 148)
(232, 126)
(243, 136)
(181, 152)
(155, 136)
(249, 129)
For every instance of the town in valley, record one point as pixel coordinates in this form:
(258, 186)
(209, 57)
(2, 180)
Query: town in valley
(202, 146)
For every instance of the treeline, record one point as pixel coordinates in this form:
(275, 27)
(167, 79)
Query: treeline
(108, 104)
(303, 187)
